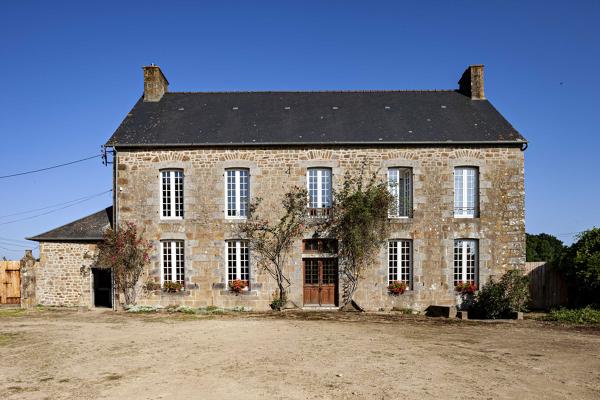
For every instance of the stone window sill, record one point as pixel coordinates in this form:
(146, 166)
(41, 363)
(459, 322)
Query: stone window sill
(172, 294)
(401, 220)
(223, 287)
(243, 293)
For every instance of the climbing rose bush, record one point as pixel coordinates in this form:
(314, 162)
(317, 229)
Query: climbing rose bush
(125, 252)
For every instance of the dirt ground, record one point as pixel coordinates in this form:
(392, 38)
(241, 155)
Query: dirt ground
(106, 355)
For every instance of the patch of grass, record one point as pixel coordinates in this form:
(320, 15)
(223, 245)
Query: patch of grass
(11, 312)
(212, 310)
(406, 311)
(587, 315)
(113, 377)
(7, 338)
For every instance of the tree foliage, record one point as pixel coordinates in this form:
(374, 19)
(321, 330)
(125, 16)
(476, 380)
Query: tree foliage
(125, 252)
(359, 222)
(544, 247)
(581, 266)
(271, 242)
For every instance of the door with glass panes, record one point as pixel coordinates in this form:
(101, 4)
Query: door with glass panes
(320, 281)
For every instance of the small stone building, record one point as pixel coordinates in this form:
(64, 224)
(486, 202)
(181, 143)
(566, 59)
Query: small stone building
(186, 164)
(65, 274)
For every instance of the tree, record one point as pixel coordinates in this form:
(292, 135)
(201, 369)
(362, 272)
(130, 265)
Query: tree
(359, 222)
(544, 247)
(125, 252)
(271, 242)
(581, 266)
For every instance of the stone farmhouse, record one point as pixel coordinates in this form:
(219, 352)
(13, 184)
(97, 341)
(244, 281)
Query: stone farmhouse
(186, 165)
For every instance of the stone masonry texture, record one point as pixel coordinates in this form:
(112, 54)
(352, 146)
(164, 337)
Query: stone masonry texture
(63, 274)
(500, 227)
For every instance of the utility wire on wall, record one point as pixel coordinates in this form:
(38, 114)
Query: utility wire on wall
(51, 167)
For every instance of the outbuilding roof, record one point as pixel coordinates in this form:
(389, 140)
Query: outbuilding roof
(308, 118)
(90, 228)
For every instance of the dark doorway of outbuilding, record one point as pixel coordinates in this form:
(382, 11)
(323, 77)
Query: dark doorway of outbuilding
(102, 280)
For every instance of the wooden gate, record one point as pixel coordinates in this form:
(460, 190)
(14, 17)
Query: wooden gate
(547, 287)
(10, 282)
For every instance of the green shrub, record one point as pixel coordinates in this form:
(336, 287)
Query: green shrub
(587, 315)
(277, 304)
(143, 309)
(500, 299)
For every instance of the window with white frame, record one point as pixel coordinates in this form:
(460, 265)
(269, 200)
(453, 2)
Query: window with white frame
(171, 194)
(465, 261)
(400, 261)
(173, 261)
(319, 190)
(400, 186)
(238, 261)
(237, 192)
(466, 188)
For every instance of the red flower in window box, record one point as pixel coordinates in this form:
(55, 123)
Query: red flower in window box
(172, 287)
(466, 287)
(397, 288)
(237, 286)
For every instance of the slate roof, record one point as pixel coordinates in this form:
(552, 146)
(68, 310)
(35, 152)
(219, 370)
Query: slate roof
(90, 228)
(297, 118)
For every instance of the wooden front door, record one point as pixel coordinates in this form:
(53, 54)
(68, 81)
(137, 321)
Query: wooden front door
(10, 282)
(320, 281)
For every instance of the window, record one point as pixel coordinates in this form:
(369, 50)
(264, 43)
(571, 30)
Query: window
(400, 261)
(466, 202)
(320, 246)
(465, 261)
(238, 261)
(172, 194)
(238, 185)
(319, 191)
(173, 262)
(400, 186)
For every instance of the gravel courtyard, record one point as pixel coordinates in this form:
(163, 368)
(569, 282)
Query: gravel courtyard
(106, 355)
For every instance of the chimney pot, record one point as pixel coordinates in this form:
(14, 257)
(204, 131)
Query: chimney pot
(155, 83)
(471, 82)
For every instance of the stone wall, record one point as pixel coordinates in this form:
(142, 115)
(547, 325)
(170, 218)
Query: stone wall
(500, 228)
(62, 275)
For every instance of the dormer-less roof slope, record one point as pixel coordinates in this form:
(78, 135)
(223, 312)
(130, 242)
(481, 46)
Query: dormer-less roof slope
(300, 118)
(90, 228)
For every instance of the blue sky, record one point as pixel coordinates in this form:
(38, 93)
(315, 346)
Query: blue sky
(71, 71)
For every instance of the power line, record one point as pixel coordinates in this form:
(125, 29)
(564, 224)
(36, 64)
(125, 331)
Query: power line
(56, 209)
(5, 243)
(47, 207)
(52, 167)
(13, 240)
(15, 250)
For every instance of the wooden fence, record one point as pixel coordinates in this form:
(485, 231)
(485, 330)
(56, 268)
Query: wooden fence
(10, 282)
(547, 287)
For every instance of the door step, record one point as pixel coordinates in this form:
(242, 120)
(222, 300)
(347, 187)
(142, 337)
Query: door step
(319, 308)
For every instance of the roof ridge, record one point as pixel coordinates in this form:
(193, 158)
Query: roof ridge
(322, 91)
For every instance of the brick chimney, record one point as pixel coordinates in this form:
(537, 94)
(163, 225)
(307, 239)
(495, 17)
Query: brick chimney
(155, 83)
(471, 82)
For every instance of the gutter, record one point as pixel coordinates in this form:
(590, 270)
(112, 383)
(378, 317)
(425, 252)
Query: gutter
(328, 144)
(63, 239)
